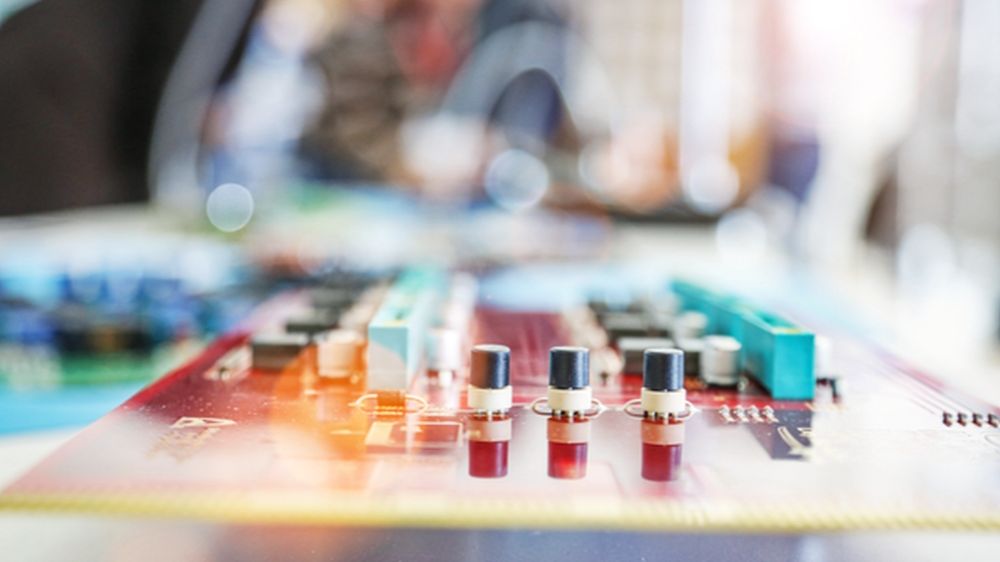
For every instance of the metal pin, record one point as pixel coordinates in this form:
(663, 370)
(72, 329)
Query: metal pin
(726, 415)
(740, 413)
(769, 414)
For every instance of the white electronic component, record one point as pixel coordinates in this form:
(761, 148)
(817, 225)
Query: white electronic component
(663, 433)
(823, 358)
(663, 403)
(446, 350)
(490, 399)
(339, 353)
(720, 357)
(690, 325)
(570, 400)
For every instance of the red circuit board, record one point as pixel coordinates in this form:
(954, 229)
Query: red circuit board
(289, 446)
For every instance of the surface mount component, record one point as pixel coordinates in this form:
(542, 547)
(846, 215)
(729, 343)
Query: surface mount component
(339, 354)
(632, 350)
(312, 323)
(720, 360)
(274, 352)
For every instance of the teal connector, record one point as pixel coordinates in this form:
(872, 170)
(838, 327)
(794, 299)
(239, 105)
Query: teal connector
(724, 312)
(776, 352)
(779, 354)
(398, 330)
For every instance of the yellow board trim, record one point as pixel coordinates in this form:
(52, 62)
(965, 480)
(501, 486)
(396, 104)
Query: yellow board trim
(434, 512)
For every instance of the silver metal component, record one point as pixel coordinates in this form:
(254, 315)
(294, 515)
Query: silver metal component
(727, 416)
(541, 407)
(740, 413)
(769, 416)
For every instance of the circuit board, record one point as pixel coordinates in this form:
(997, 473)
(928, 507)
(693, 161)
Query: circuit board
(249, 432)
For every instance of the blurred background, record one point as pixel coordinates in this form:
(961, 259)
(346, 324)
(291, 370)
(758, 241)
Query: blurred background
(166, 165)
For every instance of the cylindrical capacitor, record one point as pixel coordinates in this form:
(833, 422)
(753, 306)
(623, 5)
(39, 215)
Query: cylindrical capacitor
(663, 369)
(446, 350)
(720, 360)
(690, 325)
(490, 366)
(339, 353)
(569, 367)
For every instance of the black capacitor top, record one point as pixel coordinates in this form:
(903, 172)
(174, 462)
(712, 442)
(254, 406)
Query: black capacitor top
(569, 367)
(490, 366)
(663, 369)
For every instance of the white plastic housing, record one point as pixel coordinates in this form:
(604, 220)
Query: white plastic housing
(490, 399)
(720, 360)
(663, 403)
(569, 400)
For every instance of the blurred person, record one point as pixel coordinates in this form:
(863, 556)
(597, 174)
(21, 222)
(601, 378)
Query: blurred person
(391, 62)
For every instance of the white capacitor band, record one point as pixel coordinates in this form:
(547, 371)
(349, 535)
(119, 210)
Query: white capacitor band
(490, 399)
(568, 432)
(489, 430)
(663, 433)
(664, 402)
(720, 360)
(570, 399)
